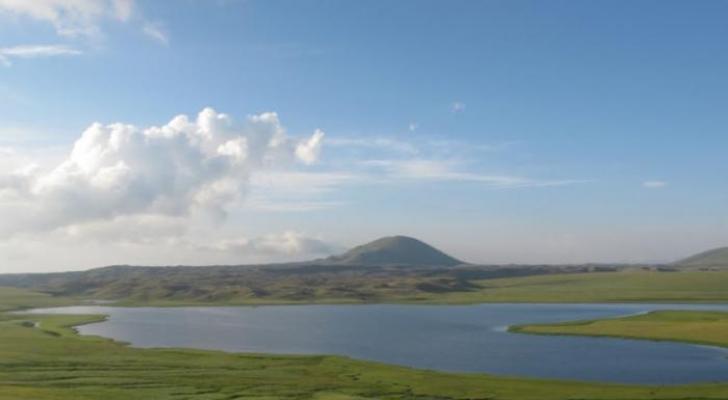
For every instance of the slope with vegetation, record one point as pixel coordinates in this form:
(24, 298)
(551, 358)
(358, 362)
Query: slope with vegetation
(326, 284)
(264, 284)
(14, 298)
(395, 250)
(715, 258)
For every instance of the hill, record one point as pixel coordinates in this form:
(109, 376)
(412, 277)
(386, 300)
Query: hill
(395, 250)
(715, 258)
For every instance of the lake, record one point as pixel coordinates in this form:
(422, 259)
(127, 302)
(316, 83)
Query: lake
(469, 338)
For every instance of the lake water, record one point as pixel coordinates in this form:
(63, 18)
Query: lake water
(470, 338)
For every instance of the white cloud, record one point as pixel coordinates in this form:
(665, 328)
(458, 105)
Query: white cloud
(71, 18)
(128, 230)
(309, 150)
(35, 51)
(181, 168)
(127, 194)
(458, 147)
(444, 171)
(156, 32)
(152, 240)
(123, 9)
(457, 106)
(79, 19)
(402, 162)
(286, 243)
(297, 191)
(654, 184)
(412, 126)
(174, 232)
(383, 143)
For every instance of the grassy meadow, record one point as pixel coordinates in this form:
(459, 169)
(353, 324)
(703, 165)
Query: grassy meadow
(595, 287)
(703, 327)
(13, 299)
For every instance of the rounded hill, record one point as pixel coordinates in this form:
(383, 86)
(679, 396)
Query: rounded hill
(395, 250)
(711, 258)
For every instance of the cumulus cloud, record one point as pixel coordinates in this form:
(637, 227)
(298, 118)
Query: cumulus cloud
(308, 151)
(35, 51)
(120, 170)
(71, 18)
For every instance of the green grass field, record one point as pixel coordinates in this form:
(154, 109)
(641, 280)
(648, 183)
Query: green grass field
(41, 358)
(685, 326)
(597, 287)
(13, 299)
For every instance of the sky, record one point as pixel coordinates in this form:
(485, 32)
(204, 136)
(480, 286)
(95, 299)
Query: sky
(233, 132)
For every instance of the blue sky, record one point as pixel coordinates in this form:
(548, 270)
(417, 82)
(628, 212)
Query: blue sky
(500, 131)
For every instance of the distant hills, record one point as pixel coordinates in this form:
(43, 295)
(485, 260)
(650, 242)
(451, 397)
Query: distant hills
(395, 250)
(715, 258)
(394, 268)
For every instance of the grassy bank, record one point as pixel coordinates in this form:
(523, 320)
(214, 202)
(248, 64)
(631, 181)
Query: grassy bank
(41, 358)
(685, 326)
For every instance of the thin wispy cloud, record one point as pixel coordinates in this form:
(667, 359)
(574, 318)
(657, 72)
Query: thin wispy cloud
(288, 191)
(71, 18)
(411, 145)
(461, 147)
(451, 171)
(654, 184)
(383, 143)
(7, 54)
(457, 107)
(156, 32)
(84, 20)
(303, 191)
(412, 126)
(298, 191)
(391, 160)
